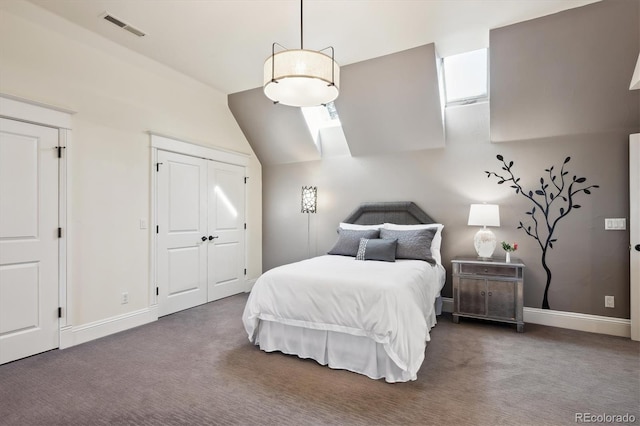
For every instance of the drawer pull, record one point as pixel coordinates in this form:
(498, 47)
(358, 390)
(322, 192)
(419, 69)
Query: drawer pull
(482, 293)
(489, 293)
(486, 270)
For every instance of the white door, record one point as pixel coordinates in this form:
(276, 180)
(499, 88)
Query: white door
(182, 225)
(226, 230)
(634, 232)
(28, 239)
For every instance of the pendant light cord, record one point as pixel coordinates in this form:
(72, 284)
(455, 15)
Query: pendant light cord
(301, 28)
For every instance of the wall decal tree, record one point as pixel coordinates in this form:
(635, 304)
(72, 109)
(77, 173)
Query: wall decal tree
(551, 203)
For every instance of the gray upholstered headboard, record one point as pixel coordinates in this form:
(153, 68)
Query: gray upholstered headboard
(399, 212)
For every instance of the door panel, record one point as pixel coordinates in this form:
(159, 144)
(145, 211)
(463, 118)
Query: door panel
(28, 240)
(501, 299)
(226, 226)
(182, 218)
(19, 207)
(472, 297)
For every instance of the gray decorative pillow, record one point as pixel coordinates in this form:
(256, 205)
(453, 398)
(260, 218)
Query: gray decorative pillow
(412, 244)
(349, 241)
(377, 249)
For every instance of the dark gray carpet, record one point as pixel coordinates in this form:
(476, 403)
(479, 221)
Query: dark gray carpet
(197, 367)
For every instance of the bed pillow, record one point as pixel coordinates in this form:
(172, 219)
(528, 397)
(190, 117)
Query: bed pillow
(412, 244)
(377, 249)
(357, 227)
(437, 239)
(349, 241)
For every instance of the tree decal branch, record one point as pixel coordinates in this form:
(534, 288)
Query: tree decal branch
(552, 201)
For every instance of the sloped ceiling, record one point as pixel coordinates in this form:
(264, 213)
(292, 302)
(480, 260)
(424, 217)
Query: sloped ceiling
(278, 134)
(566, 74)
(387, 104)
(392, 103)
(223, 43)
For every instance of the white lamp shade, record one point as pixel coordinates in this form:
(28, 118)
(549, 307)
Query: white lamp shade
(301, 78)
(484, 215)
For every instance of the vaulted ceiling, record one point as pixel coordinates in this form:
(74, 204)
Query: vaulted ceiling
(224, 43)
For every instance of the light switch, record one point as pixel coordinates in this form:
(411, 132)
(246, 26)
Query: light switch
(615, 224)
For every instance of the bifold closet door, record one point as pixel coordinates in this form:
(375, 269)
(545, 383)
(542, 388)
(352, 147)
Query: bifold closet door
(226, 230)
(28, 239)
(182, 226)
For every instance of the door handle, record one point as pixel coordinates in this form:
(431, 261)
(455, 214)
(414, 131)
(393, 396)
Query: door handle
(212, 238)
(204, 238)
(637, 247)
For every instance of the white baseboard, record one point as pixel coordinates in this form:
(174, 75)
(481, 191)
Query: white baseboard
(75, 335)
(447, 304)
(250, 284)
(576, 321)
(571, 320)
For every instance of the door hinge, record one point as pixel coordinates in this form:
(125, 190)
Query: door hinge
(157, 291)
(245, 271)
(60, 148)
(59, 312)
(158, 167)
(59, 232)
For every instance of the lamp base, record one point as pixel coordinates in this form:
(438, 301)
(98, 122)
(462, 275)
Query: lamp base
(484, 242)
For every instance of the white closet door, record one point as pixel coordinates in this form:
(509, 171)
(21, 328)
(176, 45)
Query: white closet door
(182, 222)
(28, 240)
(226, 228)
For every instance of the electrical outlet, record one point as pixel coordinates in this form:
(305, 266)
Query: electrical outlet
(124, 298)
(609, 302)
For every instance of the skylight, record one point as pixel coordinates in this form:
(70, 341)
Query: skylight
(465, 77)
(325, 129)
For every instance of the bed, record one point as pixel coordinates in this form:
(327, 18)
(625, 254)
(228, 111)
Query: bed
(363, 311)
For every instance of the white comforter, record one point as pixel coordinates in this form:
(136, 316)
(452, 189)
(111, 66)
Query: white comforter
(389, 302)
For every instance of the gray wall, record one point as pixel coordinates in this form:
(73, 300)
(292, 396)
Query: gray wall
(587, 262)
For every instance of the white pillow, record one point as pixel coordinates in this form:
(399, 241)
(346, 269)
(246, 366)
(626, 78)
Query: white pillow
(354, 227)
(437, 239)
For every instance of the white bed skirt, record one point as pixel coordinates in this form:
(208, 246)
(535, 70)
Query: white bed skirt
(337, 350)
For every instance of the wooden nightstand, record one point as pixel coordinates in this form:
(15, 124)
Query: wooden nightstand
(488, 289)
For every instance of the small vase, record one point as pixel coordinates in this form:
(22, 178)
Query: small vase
(508, 257)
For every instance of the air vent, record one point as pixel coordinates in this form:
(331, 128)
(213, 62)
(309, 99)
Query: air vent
(122, 24)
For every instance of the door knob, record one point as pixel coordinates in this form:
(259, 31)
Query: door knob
(212, 238)
(637, 247)
(204, 238)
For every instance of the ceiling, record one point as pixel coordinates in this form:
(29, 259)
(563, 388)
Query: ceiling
(223, 43)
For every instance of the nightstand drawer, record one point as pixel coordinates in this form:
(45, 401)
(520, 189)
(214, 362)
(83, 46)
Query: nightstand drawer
(492, 270)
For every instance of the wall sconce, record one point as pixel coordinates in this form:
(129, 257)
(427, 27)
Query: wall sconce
(484, 215)
(309, 204)
(309, 199)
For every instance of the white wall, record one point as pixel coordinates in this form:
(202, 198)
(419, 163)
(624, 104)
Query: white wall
(118, 96)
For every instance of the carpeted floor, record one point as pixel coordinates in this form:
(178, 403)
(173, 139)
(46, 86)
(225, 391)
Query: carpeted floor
(197, 367)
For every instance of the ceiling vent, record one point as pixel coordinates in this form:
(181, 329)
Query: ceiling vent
(122, 24)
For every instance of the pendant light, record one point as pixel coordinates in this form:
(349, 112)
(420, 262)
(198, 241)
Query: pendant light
(299, 77)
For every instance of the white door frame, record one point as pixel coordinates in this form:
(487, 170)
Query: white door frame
(172, 144)
(634, 230)
(25, 110)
